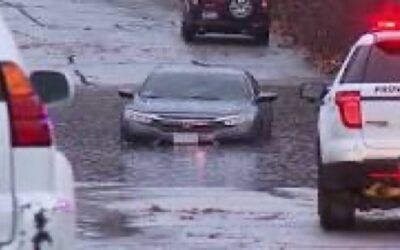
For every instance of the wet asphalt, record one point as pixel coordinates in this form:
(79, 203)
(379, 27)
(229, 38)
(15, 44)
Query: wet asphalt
(209, 197)
(87, 130)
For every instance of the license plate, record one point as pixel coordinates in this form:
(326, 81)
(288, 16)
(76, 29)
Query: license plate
(186, 138)
(210, 15)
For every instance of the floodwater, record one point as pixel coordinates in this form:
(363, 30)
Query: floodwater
(228, 196)
(138, 198)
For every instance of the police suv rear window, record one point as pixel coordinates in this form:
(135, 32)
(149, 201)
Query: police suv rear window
(377, 64)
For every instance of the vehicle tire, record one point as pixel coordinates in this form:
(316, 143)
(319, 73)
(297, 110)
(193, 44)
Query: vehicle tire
(188, 32)
(262, 37)
(267, 130)
(267, 123)
(260, 133)
(125, 140)
(336, 209)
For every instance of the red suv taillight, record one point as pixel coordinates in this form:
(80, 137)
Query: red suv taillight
(28, 116)
(349, 103)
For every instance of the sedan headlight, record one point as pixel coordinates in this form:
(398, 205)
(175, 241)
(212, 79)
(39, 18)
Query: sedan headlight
(139, 117)
(233, 120)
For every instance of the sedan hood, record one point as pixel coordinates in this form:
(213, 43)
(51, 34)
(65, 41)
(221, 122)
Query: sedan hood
(190, 108)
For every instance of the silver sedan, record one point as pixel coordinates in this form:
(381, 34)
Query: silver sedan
(192, 104)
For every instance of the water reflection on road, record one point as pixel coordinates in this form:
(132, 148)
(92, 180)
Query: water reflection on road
(195, 166)
(179, 171)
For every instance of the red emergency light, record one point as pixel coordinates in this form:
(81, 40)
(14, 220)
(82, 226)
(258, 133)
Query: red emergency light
(386, 18)
(386, 25)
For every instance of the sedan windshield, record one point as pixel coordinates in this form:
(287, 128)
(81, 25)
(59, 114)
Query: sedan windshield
(200, 86)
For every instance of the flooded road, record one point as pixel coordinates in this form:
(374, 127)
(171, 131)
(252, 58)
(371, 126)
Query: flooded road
(144, 197)
(88, 130)
(114, 42)
(177, 198)
(228, 196)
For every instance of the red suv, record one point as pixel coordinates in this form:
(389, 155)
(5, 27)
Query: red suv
(226, 16)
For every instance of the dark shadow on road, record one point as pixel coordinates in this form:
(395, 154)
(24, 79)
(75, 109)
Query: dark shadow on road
(381, 225)
(226, 40)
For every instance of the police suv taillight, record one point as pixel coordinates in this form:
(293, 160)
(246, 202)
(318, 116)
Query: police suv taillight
(349, 104)
(28, 116)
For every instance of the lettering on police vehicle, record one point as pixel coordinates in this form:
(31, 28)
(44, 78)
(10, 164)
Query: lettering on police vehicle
(387, 89)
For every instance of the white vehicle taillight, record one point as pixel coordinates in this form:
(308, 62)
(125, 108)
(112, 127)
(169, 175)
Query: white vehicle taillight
(349, 103)
(29, 120)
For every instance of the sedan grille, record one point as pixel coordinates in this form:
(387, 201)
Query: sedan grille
(185, 125)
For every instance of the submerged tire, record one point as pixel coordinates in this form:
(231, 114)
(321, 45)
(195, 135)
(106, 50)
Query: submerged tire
(188, 32)
(336, 210)
(124, 140)
(262, 38)
(260, 133)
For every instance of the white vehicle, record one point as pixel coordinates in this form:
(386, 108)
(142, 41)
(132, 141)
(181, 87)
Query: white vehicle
(37, 205)
(359, 131)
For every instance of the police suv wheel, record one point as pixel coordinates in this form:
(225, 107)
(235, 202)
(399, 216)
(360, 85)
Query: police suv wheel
(336, 210)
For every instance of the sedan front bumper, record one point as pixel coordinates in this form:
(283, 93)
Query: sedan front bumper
(158, 131)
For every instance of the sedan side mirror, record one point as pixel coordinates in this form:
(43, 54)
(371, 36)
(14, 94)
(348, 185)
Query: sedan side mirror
(313, 92)
(51, 86)
(266, 97)
(126, 93)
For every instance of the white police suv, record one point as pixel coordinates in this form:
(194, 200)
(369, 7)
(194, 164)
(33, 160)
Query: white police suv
(359, 131)
(37, 206)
